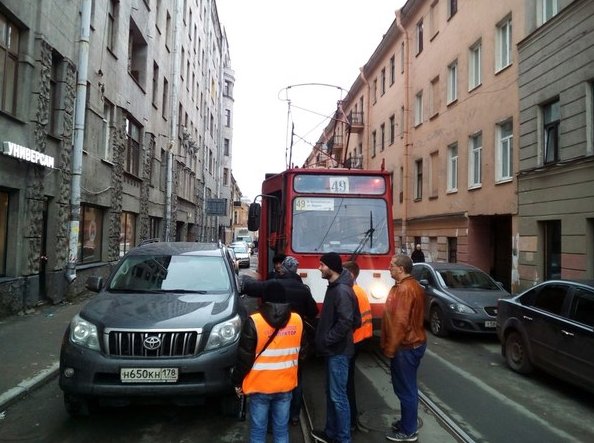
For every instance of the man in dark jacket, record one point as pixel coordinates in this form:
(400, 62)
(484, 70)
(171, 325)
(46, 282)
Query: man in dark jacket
(302, 302)
(334, 341)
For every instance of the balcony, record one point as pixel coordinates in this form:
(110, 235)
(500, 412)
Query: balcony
(356, 121)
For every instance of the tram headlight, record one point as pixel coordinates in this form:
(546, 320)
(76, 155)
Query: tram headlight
(379, 290)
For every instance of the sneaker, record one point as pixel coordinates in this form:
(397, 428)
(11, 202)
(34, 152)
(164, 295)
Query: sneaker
(396, 427)
(399, 436)
(319, 435)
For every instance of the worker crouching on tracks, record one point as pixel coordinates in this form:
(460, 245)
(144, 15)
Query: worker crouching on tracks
(267, 362)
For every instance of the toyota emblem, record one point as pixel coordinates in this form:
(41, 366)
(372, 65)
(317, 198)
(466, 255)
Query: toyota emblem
(152, 342)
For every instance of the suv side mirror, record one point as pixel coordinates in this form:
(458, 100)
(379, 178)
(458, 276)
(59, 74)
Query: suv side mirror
(254, 216)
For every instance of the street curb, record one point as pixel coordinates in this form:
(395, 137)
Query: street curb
(28, 385)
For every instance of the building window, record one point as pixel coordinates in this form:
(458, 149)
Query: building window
(474, 66)
(475, 147)
(452, 8)
(453, 168)
(154, 227)
(163, 174)
(9, 67)
(452, 249)
(90, 236)
(419, 108)
(225, 176)
(453, 82)
(113, 7)
(434, 19)
(4, 201)
(107, 125)
(392, 70)
(392, 128)
(402, 58)
(132, 154)
(383, 136)
(418, 189)
(383, 80)
(226, 145)
(168, 31)
(504, 151)
(551, 117)
(435, 101)
(54, 104)
(373, 143)
(434, 174)
(155, 83)
(551, 235)
(127, 232)
(419, 34)
(227, 119)
(374, 91)
(137, 54)
(401, 121)
(545, 10)
(165, 99)
(504, 44)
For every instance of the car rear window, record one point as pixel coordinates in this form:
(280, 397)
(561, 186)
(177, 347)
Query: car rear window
(170, 273)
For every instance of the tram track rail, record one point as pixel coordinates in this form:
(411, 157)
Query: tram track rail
(448, 422)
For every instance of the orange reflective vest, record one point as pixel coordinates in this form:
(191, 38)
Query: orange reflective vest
(366, 328)
(275, 369)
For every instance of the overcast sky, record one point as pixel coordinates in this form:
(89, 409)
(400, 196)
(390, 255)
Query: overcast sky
(276, 45)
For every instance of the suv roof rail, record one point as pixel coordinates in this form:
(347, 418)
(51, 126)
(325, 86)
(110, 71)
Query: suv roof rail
(148, 240)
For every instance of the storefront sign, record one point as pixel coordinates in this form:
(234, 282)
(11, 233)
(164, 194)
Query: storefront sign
(22, 153)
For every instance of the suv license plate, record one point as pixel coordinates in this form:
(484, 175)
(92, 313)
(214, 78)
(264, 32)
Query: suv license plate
(490, 324)
(148, 375)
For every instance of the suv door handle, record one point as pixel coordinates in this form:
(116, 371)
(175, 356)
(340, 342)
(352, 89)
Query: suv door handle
(569, 334)
(525, 317)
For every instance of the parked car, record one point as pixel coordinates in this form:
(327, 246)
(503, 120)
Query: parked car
(242, 253)
(550, 326)
(164, 326)
(458, 297)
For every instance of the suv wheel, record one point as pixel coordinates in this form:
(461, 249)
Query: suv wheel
(437, 322)
(516, 353)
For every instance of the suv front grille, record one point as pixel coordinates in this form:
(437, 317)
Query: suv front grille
(153, 344)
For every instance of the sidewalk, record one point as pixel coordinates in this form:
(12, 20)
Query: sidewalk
(30, 348)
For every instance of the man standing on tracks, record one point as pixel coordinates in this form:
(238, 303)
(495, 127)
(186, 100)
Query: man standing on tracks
(334, 342)
(403, 341)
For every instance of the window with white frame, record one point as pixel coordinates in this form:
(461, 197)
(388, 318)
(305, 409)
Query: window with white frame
(132, 153)
(545, 10)
(452, 82)
(503, 46)
(551, 118)
(419, 34)
(474, 65)
(419, 108)
(453, 167)
(504, 151)
(418, 188)
(9, 65)
(475, 148)
(107, 125)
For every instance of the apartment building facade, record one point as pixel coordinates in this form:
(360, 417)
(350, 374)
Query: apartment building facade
(556, 164)
(437, 105)
(121, 108)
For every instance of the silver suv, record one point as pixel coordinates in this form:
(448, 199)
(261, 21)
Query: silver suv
(165, 325)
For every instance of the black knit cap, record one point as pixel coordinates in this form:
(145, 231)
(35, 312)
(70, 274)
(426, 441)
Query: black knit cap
(274, 292)
(333, 261)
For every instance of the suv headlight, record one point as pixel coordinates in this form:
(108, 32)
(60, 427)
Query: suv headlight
(459, 307)
(84, 333)
(224, 333)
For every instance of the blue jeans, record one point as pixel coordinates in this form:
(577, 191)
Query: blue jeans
(338, 412)
(403, 368)
(278, 404)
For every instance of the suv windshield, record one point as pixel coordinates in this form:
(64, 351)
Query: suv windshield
(191, 273)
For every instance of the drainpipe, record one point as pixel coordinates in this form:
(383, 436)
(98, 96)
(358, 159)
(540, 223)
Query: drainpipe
(406, 126)
(174, 118)
(79, 133)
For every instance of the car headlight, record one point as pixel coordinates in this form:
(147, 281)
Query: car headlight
(224, 333)
(463, 309)
(84, 333)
